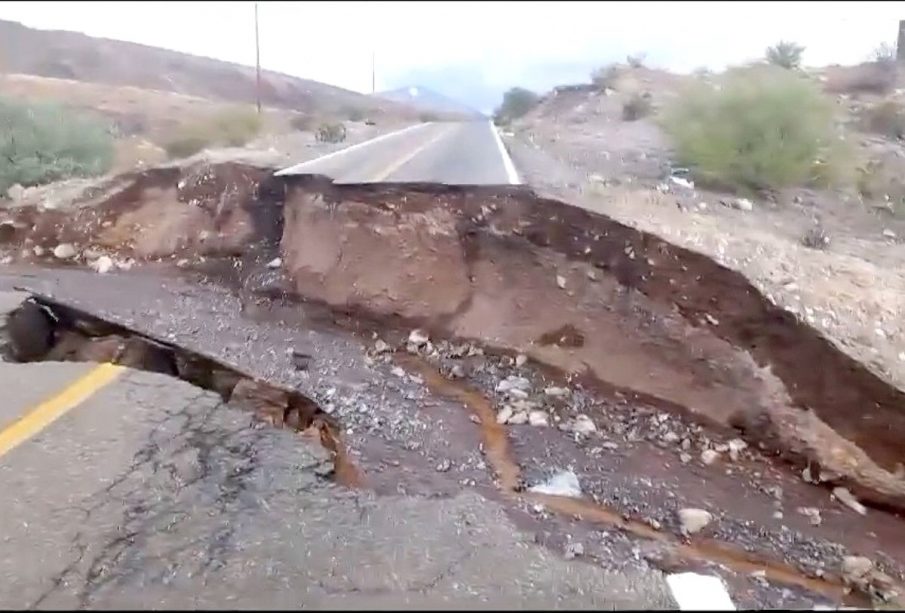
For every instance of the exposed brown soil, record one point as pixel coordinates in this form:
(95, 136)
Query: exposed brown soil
(518, 273)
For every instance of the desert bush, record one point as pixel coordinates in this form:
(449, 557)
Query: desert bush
(427, 117)
(884, 52)
(785, 54)
(236, 127)
(40, 143)
(636, 61)
(887, 118)
(815, 237)
(637, 106)
(233, 127)
(764, 127)
(516, 103)
(331, 133)
(882, 180)
(869, 77)
(606, 76)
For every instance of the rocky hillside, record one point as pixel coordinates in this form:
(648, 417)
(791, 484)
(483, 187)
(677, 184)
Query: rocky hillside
(75, 56)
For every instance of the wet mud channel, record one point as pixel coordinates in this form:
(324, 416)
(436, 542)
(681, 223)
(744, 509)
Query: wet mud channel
(437, 338)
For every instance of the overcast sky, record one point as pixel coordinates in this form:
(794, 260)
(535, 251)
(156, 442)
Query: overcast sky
(477, 46)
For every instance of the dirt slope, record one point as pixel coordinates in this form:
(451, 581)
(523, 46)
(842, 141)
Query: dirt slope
(75, 56)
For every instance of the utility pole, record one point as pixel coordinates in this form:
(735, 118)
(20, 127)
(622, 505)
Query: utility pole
(257, 62)
(373, 72)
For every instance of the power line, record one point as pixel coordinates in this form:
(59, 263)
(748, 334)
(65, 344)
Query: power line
(257, 63)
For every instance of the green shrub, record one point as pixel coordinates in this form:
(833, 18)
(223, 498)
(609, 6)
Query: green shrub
(636, 61)
(636, 107)
(331, 133)
(229, 128)
(785, 54)
(887, 118)
(606, 76)
(516, 103)
(764, 127)
(40, 143)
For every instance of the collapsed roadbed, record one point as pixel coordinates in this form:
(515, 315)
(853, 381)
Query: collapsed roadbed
(579, 292)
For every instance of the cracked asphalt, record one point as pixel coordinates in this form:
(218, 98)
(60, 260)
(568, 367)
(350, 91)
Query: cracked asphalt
(154, 494)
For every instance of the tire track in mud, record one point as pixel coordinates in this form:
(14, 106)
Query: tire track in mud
(495, 445)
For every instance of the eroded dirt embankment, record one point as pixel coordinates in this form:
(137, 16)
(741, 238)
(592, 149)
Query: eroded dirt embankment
(567, 287)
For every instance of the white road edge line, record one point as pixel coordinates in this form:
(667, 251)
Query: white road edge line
(298, 167)
(695, 592)
(511, 174)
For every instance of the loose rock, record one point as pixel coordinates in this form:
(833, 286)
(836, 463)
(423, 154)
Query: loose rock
(504, 414)
(557, 392)
(538, 418)
(64, 251)
(848, 499)
(856, 570)
(692, 521)
(102, 265)
(520, 359)
(275, 263)
(15, 192)
(519, 419)
(381, 347)
(743, 204)
(812, 513)
(513, 382)
(564, 483)
(709, 456)
(736, 446)
(561, 281)
(573, 550)
(418, 337)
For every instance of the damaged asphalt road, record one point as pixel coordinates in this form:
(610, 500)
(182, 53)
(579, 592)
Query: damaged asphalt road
(152, 493)
(457, 346)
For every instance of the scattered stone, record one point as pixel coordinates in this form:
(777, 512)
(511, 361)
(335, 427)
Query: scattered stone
(513, 382)
(557, 392)
(610, 445)
(812, 513)
(856, 570)
(684, 458)
(777, 515)
(457, 372)
(538, 418)
(709, 456)
(563, 483)
(38, 250)
(592, 275)
(692, 521)
(7, 259)
(682, 182)
(848, 499)
(889, 233)
(300, 361)
(15, 192)
(713, 321)
(418, 338)
(743, 204)
(397, 371)
(806, 475)
(64, 251)
(517, 394)
(102, 265)
(582, 424)
(521, 359)
(504, 414)
(275, 263)
(596, 178)
(736, 446)
(653, 523)
(125, 264)
(561, 281)
(573, 550)
(443, 466)
(519, 419)
(380, 346)
(670, 437)
(182, 263)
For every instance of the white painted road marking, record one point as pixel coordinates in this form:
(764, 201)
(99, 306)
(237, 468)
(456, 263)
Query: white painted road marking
(300, 167)
(507, 161)
(694, 592)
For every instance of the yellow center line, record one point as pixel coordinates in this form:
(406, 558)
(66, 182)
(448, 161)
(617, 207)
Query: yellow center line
(381, 176)
(41, 416)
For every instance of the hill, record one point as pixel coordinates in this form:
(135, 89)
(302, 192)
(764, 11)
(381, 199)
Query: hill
(428, 100)
(78, 57)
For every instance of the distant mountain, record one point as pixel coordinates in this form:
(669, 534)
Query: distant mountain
(75, 56)
(428, 100)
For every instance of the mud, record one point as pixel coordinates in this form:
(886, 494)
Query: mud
(521, 274)
(45, 329)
